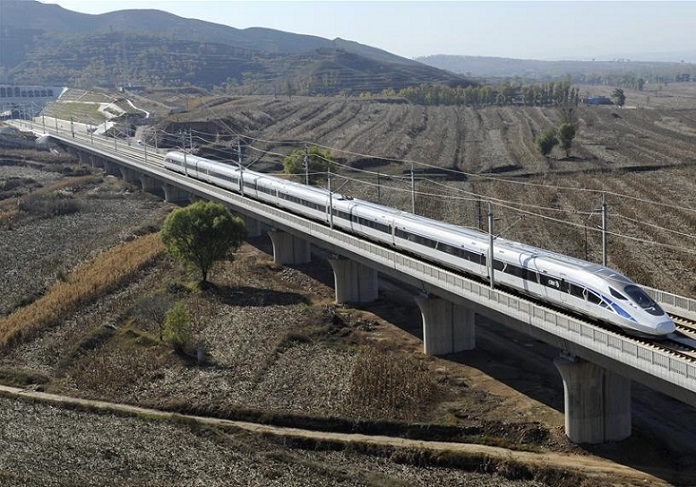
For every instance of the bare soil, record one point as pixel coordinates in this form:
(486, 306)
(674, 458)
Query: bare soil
(278, 351)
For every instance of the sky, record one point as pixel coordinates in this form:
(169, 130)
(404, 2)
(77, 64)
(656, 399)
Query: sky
(547, 30)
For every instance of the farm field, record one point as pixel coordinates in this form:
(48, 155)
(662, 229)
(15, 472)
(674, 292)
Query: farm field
(276, 347)
(640, 158)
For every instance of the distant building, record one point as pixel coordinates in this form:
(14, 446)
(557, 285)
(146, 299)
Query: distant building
(597, 100)
(132, 89)
(27, 98)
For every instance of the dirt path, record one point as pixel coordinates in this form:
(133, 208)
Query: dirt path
(592, 466)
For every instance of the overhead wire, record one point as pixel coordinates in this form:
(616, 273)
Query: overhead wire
(511, 205)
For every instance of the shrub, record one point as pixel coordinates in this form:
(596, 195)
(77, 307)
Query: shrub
(46, 206)
(546, 141)
(177, 327)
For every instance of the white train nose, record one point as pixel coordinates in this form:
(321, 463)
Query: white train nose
(665, 328)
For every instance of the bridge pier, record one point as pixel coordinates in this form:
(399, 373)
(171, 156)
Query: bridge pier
(173, 194)
(254, 227)
(597, 402)
(353, 282)
(447, 327)
(151, 185)
(85, 158)
(112, 168)
(96, 161)
(288, 249)
(129, 175)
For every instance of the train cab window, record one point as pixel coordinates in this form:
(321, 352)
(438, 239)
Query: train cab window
(617, 294)
(643, 300)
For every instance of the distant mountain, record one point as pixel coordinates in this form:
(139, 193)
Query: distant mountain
(533, 70)
(45, 43)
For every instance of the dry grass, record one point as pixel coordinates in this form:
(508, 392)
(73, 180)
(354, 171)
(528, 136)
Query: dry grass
(8, 207)
(86, 283)
(387, 384)
(8, 214)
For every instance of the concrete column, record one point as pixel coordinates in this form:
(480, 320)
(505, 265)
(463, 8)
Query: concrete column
(447, 327)
(149, 184)
(129, 175)
(172, 194)
(597, 402)
(288, 249)
(112, 168)
(97, 161)
(354, 282)
(253, 226)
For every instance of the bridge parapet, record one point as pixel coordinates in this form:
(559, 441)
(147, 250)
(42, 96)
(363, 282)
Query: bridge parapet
(674, 303)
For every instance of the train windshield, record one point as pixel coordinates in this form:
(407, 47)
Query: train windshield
(643, 300)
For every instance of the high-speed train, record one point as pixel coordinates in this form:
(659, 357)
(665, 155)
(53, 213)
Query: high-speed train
(590, 289)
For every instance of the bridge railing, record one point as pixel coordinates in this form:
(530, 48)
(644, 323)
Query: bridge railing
(642, 356)
(680, 305)
(623, 350)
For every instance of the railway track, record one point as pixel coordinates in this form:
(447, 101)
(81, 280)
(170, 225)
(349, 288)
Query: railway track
(683, 340)
(682, 343)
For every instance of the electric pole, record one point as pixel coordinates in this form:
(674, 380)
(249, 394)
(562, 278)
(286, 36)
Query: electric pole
(491, 238)
(413, 191)
(241, 168)
(328, 179)
(604, 229)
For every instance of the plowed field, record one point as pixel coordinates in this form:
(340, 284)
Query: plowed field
(640, 158)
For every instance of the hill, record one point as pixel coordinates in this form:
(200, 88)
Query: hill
(43, 44)
(594, 72)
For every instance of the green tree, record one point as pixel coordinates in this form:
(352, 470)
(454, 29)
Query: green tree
(546, 141)
(202, 234)
(177, 327)
(565, 135)
(320, 161)
(619, 97)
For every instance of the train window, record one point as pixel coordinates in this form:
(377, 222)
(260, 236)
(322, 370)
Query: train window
(402, 234)
(591, 297)
(341, 214)
(617, 294)
(565, 286)
(549, 281)
(516, 271)
(448, 249)
(577, 291)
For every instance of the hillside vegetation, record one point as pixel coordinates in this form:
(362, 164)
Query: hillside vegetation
(46, 44)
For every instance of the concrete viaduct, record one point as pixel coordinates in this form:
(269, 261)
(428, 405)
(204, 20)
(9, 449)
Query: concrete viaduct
(596, 365)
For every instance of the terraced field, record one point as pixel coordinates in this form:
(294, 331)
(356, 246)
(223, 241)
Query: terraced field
(641, 157)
